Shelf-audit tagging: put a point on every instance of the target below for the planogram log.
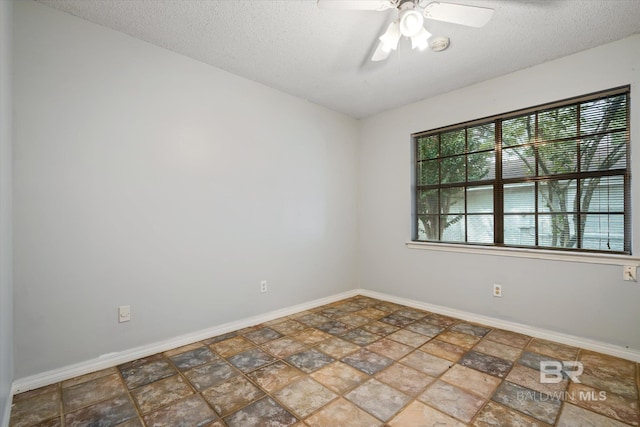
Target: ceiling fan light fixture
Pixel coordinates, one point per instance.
(439, 44)
(411, 21)
(389, 40)
(421, 40)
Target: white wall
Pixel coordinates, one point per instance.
(6, 283)
(590, 301)
(146, 178)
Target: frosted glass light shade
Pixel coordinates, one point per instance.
(391, 37)
(411, 21)
(421, 40)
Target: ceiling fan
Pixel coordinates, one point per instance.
(410, 20)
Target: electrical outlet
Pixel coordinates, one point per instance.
(124, 313)
(629, 273)
(497, 290)
(263, 286)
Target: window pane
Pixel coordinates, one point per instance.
(453, 228)
(556, 230)
(480, 228)
(557, 157)
(557, 196)
(482, 137)
(452, 142)
(427, 202)
(604, 233)
(604, 152)
(427, 147)
(452, 200)
(562, 184)
(520, 230)
(428, 227)
(453, 169)
(519, 198)
(519, 130)
(481, 166)
(604, 194)
(603, 115)
(428, 172)
(558, 123)
(480, 199)
(518, 162)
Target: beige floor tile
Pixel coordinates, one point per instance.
(231, 395)
(378, 399)
(183, 349)
(605, 403)
(574, 416)
(609, 373)
(496, 415)
(304, 396)
(311, 336)
(471, 380)
(275, 376)
(409, 338)
(371, 313)
(283, 347)
(289, 327)
(530, 378)
(405, 379)
(88, 377)
(94, 391)
(190, 411)
(426, 363)
(342, 413)
(553, 349)
(444, 350)
(231, 346)
(337, 348)
(509, 338)
(452, 400)
(391, 349)
(419, 414)
(35, 406)
(339, 377)
(458, 338)
(150, 397)
(496, 349)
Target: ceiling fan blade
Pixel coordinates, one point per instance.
(387, 42)
(356, 4)
(471, 16)
(381, 53)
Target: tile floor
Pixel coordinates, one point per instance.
(357, 362)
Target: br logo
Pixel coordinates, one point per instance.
(551, 371)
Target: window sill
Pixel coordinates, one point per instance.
(589, 258)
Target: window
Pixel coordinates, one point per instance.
(551, 177)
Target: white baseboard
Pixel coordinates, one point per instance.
(572, 340)
(112, 359)
(106, 361)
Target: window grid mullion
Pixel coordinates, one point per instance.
(558, 118)
(578, 202)
(536, 187)
(498, 188)
(466, 181)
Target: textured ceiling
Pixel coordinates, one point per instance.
(322, 55)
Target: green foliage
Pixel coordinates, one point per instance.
(551, 144)
(553, 149)
(451, 157)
